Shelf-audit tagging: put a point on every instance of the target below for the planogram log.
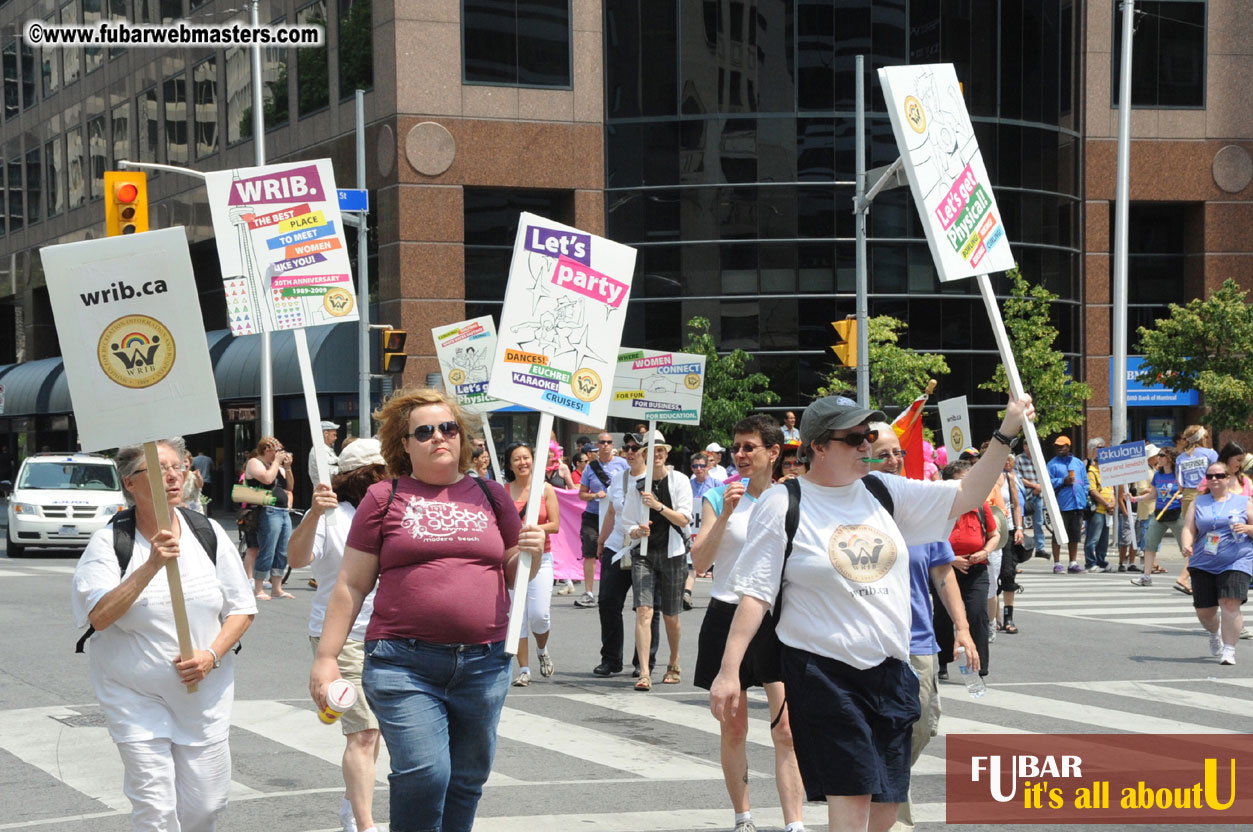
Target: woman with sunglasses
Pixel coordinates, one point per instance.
(1216, 539)
(757, 446)
(269, 469)
(1232, 455)
(539, 592)
(443, 548)
(843, 597)
(790, 464)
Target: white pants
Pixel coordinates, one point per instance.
(994, 570)
(539, 600)
(175, 788)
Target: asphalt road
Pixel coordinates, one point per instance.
(582, 753)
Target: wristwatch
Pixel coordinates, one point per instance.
(1011, 443)
(217, 660)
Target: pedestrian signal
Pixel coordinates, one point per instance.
(394, 350)
(846, 351)
(125, 202)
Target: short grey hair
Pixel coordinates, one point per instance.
(130, 458)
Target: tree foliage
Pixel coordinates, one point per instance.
(1206, 346)
(898, 375)
(730, 393)
(1058, 398)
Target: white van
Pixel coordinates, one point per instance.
(58, 500)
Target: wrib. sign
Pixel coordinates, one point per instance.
(353, 200)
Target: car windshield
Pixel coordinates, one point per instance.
(73, 476)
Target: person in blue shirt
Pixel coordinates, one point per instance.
(1070, 483)
(930, 566)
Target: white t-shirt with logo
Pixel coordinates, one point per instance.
(846, 587)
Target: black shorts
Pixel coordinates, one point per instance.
(589, 534)
(754, 670)
(1072, 521)
(851, 728)
(1207, 587)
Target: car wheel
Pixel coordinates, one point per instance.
(15, 550)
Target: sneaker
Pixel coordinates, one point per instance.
(1134, 568)
(567, 587)
(524, 679)
(585, 600)
(746, 826)
(991, 633)
(1093, 569)
(1142, 580)
(687, 599)
(1106, 568)
(942, 675)
(1122, 567)
(1075, 568)
(346, 818)
(546, 666)
(1245, 633)
(1229, 655)
(1058, 569)
(1215, 644)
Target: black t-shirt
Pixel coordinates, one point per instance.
(659, 534)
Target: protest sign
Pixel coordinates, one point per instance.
(663, 386)
(557, 348)
(132, 338)
(959, 214)
(955, 422)
(136, 357)
(1123, 464)
(280, 242)
(465, 350)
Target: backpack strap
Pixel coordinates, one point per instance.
(880, 491)
(599, 470)
(791, 522)
(391, 495)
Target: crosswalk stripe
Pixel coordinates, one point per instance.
(1161, 694)
(671, 820)
(1097, 616)
(301, 730)
(5, 573)
(1090, 715)
(957, 725)
(1155, 603)
(642, 759)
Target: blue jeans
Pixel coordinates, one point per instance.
(1096, 541)
(272, 533)
(1035, 508)
(1142, 528)
(437, 706)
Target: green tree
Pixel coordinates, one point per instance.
(1206, 346)
(1058, 398)
(898, 375)
(730, 393)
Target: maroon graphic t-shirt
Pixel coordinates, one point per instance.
(441, 552)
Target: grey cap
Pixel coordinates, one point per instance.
(834, 413)
(329, 426)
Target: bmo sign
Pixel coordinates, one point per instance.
(1143, 393)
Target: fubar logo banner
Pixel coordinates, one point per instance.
(132, 339)
(1119, 779)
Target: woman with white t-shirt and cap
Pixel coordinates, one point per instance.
(844, 595)
(725, 510)
(315, 541)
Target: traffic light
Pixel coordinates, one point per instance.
(846, 351)
(393, 352)
(125, 202)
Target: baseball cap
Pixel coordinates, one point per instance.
(359, 454)
(329, 426)
(714, 447)
(1062, 440)
(834, 413)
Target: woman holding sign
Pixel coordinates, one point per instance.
(173, 743)
(1216, 539)
(539, 592)
(443, 548)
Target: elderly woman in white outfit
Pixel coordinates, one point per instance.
(173, 743)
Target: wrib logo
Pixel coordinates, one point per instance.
(136, 351)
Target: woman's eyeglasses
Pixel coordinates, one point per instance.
(423, 433)
(1216, 476)
(793, 463)
(899, 453)
(855, 439)
(746, 447)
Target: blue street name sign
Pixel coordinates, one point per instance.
(354, 200)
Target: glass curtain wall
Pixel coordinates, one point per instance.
(730, 157)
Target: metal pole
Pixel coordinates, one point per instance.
(1118, 410)
(363, 287)
(258, 144)
(863, 343)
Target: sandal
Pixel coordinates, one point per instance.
(644, 683)
(672, 675)
(261, 596)
(285, 595)
(1182, 587)
(1159, 570)
(1010, 628)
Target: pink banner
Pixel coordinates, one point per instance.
(567, 545)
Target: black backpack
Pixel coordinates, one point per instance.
(791, 522)
(124, 546)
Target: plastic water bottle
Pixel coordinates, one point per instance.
(974, 682)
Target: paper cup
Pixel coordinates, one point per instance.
(340, 696)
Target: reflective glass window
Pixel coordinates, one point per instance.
(27, 54)
(122, 131)
(93, 56)
(73, 55)
(76, 167)
(98, 150)
(356, 47)
(205, 85)
(12, 85)
(17, 214)
(54, 152)
(175, 100)
(274, 88)
(524, 42)
(312, 73)
(34, 185)
(1167, 57)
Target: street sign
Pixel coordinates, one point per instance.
(353, 200)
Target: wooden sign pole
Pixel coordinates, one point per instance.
(156, 485)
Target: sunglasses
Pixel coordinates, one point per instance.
(747, 447)
(1216, 476)
(855, 439)
(630, 449)
(604, 441)
(423, 433)
(699, 466)
(793, 463)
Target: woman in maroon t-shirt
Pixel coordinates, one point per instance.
(443, 548)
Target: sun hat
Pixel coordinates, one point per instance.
(359, 454)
